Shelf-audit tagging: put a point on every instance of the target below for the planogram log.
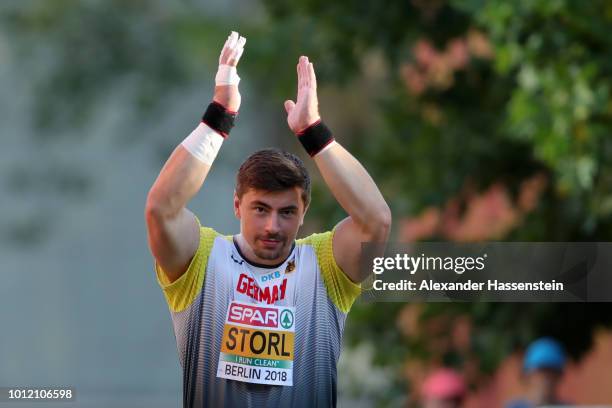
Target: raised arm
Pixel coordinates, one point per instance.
(369, 217)
(173, 231)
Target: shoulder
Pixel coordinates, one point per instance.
(340, 289)
(181, 293)
(315, 240)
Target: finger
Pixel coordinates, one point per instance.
(289, 105)
(239, 47)
(238, 55)
(241, 42)
(302, 77)
(233, 39)
(224, 56)
(297, 68)
(228, 47)
(224, 51)
(237, 52)
(313, 77)
(306, 73)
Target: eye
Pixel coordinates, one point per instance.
(259, 210)
(287, 213)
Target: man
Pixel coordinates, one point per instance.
(543, 367)
(258, 317)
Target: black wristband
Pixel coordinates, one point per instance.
(219, 119)
(315, 137)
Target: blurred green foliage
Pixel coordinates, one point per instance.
(507, 90)
(84, 49)
(540, 103)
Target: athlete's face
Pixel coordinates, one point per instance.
(269, 222)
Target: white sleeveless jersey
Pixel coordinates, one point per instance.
(256, 336)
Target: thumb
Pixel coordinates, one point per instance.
(289, 105)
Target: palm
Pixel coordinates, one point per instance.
(305, 111)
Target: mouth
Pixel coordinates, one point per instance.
(271, 243)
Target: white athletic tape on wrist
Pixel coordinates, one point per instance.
(227, 75)
(203, 143)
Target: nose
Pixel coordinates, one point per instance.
(272, 224)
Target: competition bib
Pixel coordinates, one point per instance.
(257, 344)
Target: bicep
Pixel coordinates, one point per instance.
(173, 241)
(347, 248)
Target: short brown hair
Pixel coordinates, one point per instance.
(273, 170)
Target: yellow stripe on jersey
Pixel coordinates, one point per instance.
(340, 289)
(180, 293)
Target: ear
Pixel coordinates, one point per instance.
(236, 205)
